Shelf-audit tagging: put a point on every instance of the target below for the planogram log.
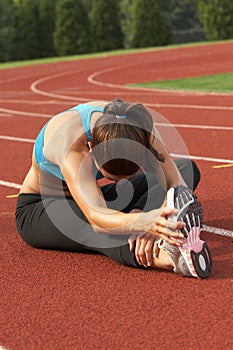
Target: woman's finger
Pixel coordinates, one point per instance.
(170, 233)
(158, 230)
(131, 245)
(149, 251)
(140, 250)
(131, 241)
(172, 225)
(169, 212)
(136, 251)
(170, 240)
(140, 243)
(155, 249)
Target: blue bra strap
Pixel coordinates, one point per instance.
(85, 112)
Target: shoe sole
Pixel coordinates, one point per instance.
(195, 251)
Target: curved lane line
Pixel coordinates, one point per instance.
(92, 80)
(34, 88)
(12, 111)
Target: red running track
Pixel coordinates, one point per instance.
(58, 300)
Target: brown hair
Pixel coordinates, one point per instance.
(120, 134)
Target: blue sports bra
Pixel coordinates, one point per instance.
(50, 168)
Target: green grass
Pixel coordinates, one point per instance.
(210, 83)
(101, 54)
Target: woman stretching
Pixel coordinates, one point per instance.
(145, 216)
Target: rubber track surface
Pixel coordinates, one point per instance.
(58, 300)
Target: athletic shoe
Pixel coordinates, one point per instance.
(195, 253)
(180, 265)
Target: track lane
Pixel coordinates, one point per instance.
(51, 299)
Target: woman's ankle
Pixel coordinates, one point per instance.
(163, 261)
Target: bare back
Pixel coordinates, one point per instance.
(62, 132)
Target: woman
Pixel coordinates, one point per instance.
(62, 204)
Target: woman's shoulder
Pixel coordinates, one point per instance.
(62, 133)
(70, 119)
(62, 124)
(97, 103)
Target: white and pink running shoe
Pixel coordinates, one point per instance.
(194, 258)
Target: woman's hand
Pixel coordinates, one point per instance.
(146, 249)
(166, 229)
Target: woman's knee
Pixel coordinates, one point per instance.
(196, 175)
(189, 171)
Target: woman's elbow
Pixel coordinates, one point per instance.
(93, 222)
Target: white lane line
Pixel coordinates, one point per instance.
(36, 90)
(218, 231)
(9, 184)
(19, 139)
(92, 80)
(215, 230)
(19, 77)
(172, 105)
(191, 126)
(33, 87)
(11, 112)
(207, 159)
(30, 114)
(33, 102)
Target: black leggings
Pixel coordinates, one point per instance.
(52, 222)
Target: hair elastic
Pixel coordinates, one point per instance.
(120, 116)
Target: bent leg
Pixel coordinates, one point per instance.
(143, 191)
(155, 195)
(58, 224)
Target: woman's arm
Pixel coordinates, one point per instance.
(77, 171)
